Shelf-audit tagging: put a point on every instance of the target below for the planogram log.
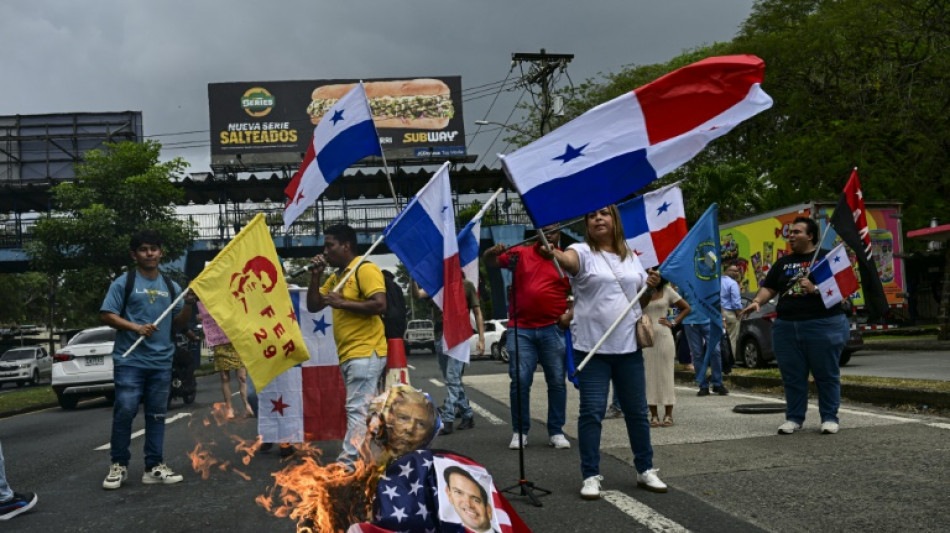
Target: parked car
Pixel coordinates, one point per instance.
(419, 334)
(754, 347)
(25, 364)
(494, 329)
(83, 368)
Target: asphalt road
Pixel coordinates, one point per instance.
(727, 472)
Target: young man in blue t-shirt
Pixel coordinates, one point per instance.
(145, 374)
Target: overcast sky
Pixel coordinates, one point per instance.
(158, 56)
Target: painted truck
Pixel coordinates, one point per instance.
(755, 243)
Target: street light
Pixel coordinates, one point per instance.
(505, 126)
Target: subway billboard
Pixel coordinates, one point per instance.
(272, 122)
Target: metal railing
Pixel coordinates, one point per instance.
(227, 222)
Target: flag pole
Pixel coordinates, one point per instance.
(382, 154)
(481, 212)
(159, 319)
(360, 262)
(612, 327)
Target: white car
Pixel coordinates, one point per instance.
(83, 368)
(493, 331)
(25, 364)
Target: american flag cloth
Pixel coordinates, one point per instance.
(409, 493)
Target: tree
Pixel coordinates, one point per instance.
(84, 243)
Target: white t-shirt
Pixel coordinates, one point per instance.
(599, 300)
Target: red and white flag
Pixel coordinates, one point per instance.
(306, 402)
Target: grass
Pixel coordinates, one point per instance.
(26, 398)
(897, 383)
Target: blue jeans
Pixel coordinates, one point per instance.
(150, 387)
(543, 345)
(697, 336)
(6, 492)
(452, 371)
(626, 372)
(810, 345)
(361, 379)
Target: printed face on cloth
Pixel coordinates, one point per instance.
(256, 279)
(406, 421)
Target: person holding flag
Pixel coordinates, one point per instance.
(807, 336)
(606, 275)
(540, 300)
(357, 326)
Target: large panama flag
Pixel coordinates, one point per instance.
(345, 134)
(423, 237)
(244, 290)
(618, 147)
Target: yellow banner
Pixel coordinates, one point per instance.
(244, 290)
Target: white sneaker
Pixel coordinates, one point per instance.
(513, 445)
(789, 427)
(560, 442)
(591, 488)
(161, 474)
(829, 428)
(650, 481)
(117, 474)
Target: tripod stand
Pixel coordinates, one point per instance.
(525, 487)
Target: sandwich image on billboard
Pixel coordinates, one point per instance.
(420, 104)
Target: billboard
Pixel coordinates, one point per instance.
(272, 122)
(40, 148)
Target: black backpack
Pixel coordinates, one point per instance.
(395, 317)
(130, 286)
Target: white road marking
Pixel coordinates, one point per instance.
(643, 514)
(484, 413)
(410, 367)
(141, 432)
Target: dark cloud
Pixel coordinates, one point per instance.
(158, 57)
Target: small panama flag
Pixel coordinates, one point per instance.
(834, 277)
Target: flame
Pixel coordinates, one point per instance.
(321, 498)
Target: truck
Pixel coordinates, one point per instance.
(420, 334)
(755, 243)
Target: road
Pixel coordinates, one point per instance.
(884, 471)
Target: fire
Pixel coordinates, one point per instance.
(321, 498)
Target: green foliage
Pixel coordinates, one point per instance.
(84, 244)
(117, 191)
(24, 298)
(855, 83)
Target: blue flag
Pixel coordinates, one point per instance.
(694, 268)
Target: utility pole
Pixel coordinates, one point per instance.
(544, 65)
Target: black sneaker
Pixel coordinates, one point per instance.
(703, 391)
(286, 450)
(721, 390)
(466, 423)
(446, 429)
(266, 446)
(21, 502)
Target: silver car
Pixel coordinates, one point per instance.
(83, 368)
(25, 364)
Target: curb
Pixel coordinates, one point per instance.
(881, 396)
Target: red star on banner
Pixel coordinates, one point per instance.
(299, 197)
(292, 315)
(638, 252)
(279, 405)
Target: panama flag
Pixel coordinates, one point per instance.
(618, 147)
(306, 402)
(345, 135)
(468, 241)
(654, 224)
(835, 277)
(423, 237)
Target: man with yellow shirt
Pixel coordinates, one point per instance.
(357, 326)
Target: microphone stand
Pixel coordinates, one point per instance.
(525, 487)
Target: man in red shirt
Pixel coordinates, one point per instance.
(540, 298)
